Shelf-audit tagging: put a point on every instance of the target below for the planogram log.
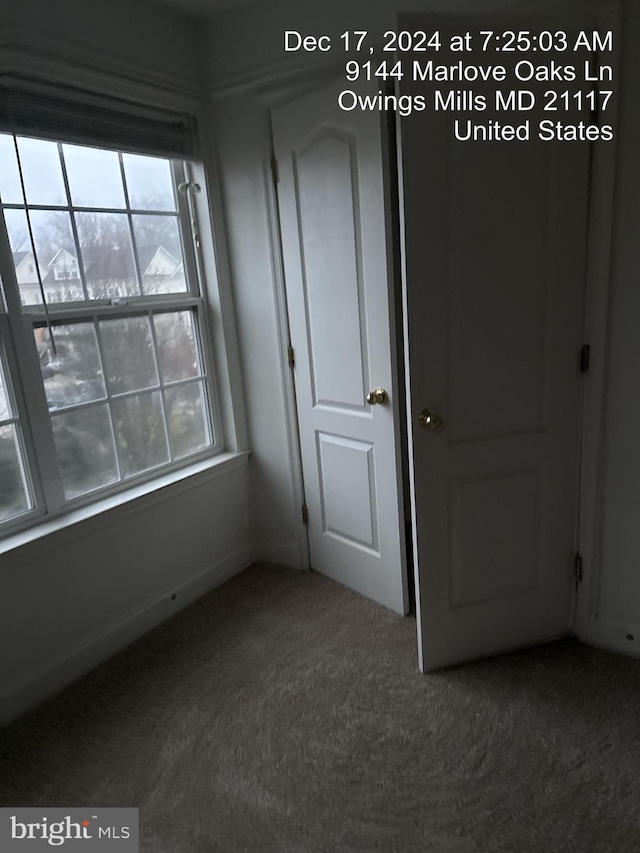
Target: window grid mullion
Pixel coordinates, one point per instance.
(107, 399)
(176, 383)
(74, 227)
(206, 386)
(154, 338)
(81, 208)
(141, 393)
(134, 242)
(124, 395)
(86, 404)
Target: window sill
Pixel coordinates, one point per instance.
(55, 532)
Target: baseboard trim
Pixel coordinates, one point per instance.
(63, 668)
(614, 636)
(281, 555)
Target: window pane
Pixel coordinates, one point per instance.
(84, 443)
(107, 255)
(160, 254)
(10, 189)
(185, 417)
(128, 354)
(14, 497)
(139, 426)
(72, 374)
(23, 259)
(56, 253)
(177, 351)
(95, 179)
(41, 171)
(149, 183)
(17, 230)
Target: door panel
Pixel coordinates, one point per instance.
(499, 291)
(478, 508)
(334, 240)
(347, 490)
(494, 262)
(327, 214)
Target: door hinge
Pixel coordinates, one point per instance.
(585, 358)
(577, 567)
(291, 356)
(274, 169)
(305, 514)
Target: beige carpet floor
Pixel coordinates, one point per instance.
(283, 712)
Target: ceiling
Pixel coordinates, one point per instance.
(201, 8)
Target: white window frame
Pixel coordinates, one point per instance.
(17, 322)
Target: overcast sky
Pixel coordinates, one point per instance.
(94, 175)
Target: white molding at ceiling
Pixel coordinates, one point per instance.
(27, 53)
(276, 74)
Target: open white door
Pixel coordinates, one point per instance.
(494, 288)
(334, 240)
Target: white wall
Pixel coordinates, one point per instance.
(72, 598)
(77, 596)
(243, 149)
(143, 37)
(616, 603)
(245, 42)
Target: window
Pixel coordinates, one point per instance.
(104, 369)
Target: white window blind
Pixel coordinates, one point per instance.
(29, 108)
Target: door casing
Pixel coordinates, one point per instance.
(390, 278)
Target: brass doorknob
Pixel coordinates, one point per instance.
(378, 397)
(430, 420)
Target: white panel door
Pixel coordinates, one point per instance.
(334, 239)
(494, 288)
